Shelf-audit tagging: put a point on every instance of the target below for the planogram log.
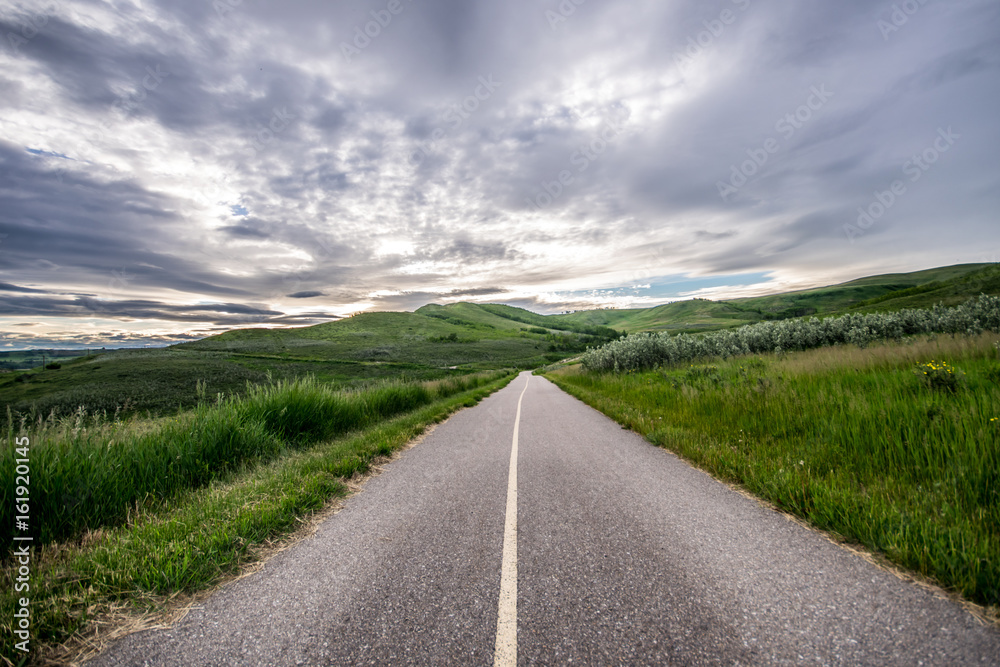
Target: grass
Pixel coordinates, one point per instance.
(449, 341)
(27, 359)
(861, 443)
(159, 381)
(200, 535)
(92, 477)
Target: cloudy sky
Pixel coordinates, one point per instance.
(170, 169)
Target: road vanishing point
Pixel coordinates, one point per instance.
(533, 530)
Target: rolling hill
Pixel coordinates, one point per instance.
(893, 291)
(435, 341)
(432, 343)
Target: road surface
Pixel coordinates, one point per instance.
(599, 549)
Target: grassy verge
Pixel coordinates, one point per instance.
(896, 446)
(92, 477)
(199, 536)
(161, 382)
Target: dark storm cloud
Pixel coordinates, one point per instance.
(7, 287)
(477, 291)
(130, 309)
(465, 250)
(250, 230)
(301, 319)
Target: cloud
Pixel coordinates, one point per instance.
(177, 162)
(7, 287)
(478, 291)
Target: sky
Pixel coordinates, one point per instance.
(170, 170)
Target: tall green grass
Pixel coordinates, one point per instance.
(199, 536)
(858, 441)
(89, 478)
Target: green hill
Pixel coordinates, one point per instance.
(892, 291)
(432, 343)
(949, 290)
(957, 282)
(462, 334)
(435, 341)
(691, 315)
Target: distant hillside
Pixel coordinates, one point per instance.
(951, 283)
(690, 315)
(949, 291)
(514, 316)
(893, 291)
(463, 334)
(433, 342)
(24, 359)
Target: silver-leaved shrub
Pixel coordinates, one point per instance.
(648, 350)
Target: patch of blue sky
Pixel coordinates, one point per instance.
(674, 286)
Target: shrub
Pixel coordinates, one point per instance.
(645, 350)
(941, 375)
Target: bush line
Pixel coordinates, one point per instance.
(643, 351)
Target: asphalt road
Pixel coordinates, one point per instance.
(624, 555)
